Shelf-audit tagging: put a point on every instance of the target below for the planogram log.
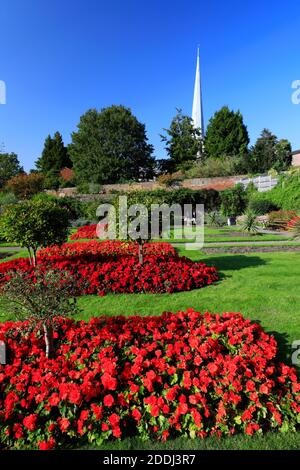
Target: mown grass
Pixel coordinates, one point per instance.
(268, 441)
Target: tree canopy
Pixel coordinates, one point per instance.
(35, 224)
(111, 146)
(226, 134)
(269, 152)
(9, 167)
(183, 142)
(53, 159)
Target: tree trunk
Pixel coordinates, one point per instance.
(48, 335)
(30, 255)
(141, 257)
(34, 257)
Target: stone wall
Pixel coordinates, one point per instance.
(218, 183)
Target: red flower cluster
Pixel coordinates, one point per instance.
(184, 374)
(107, 248)
(98, 268)
(294, 223)
(86, 231)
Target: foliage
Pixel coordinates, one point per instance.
(109, 146)
(294, 226)
(269, 153)
(261, 206)
(41, 301)
(183, 141)
(53, 159)
(170, 179)
(233, 201)
(226, 135)
(209, 197)
(215, 219)
(100, 268)
(286, 194)
(6, 199)
(212, 167)
(249, 224)
(25, 186)
(34, 224)
(178, 374)
(9, 167)
(72, 205)
(280, 219)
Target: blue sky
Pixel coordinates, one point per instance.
(60, 58)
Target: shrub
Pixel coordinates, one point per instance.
(285, 195)
(184, 374)
(262, 206)
(215, 219)
(209, 197)
(34, 224)
(294, 226)
(212, 167)
(278, 220)
(72, 205)
(249, 224)
(25, 186)
(234, 201)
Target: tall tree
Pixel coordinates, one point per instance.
(183, 141)
(110, 146)
(226, 135)
(54, 157)
(9, 167)
(269, 152)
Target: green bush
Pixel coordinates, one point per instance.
(73, 205)
(234, 201)
(262, 206)
(285, 195)
(212, 167)
(209, 197)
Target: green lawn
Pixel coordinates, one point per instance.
(224, 234)
(263, 286)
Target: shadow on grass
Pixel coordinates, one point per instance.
(234, 262)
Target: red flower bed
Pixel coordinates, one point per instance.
(86, 231)
(99, 268)
(111, 248)
(184, 374)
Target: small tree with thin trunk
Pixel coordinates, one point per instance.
(40, 300)
(35, 224)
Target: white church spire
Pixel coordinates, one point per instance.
(197, 113)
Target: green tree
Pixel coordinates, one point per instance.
(269, 152)
(35, 224)
(226, 135)
(9, 167)
(233, 201)
(54, 158)
(111, 146)
(183, 142)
